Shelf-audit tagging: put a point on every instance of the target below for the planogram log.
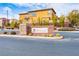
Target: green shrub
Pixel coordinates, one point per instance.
(50, 35)
(57, 35)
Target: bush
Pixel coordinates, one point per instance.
(13, 33)
(57, 35)
(30, 34)
(67, 29)
(50, 35)
(5, 33)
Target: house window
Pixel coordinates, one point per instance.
(33, 14)
(49, 12)
(27, 18)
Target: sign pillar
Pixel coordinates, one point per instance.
(23, 29)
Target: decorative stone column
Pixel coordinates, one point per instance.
(66, 22)
(50, 27)
(23, 29)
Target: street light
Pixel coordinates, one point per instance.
(7, 14)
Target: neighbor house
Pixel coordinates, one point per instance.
(3, 22)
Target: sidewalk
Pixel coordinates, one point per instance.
(33, 37)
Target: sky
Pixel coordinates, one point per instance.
(14, 9)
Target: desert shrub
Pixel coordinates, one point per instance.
(5, 33)
(13, 33)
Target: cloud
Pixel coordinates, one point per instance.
(16, 16)
(31, 6)
(11, 13)
(4, 13)
(60, 8)
(2, 16)
(7, 8)
(35, 6)
(23, 4)
(63, 8)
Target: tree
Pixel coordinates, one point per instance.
(54, 20)
(13, 24)
(61, 20)
(17, 24)
(46, 21)
(43, 21)
(73, 17)
(7, 24)
(39, 21)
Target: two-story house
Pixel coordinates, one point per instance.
(43, 14)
